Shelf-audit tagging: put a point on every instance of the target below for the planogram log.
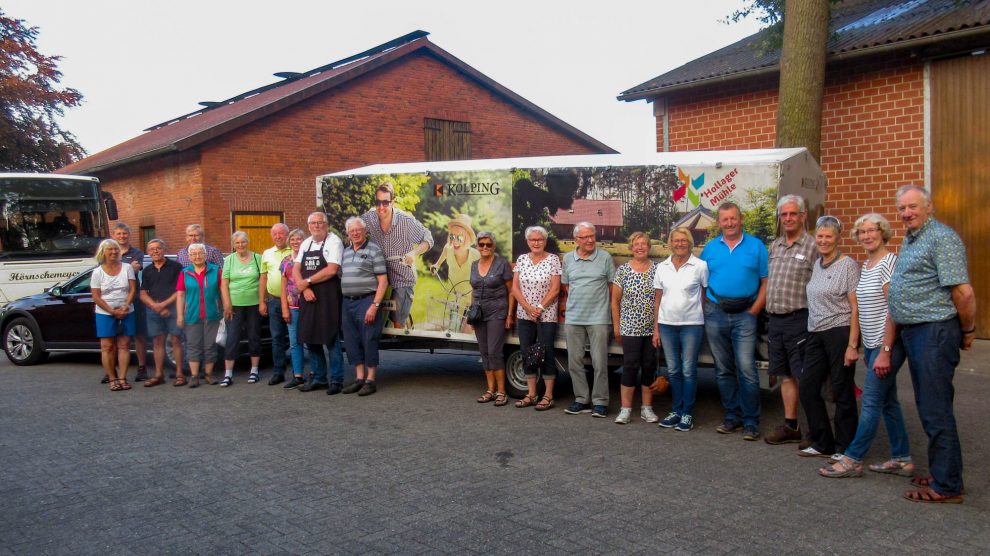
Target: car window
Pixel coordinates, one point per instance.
(79, 284)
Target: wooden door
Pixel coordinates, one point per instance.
(258, 227)
(960, 151)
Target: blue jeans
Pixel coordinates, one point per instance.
(680, 350)
(280, 333)
(297, 351)
(933, 353)
(732, 339)
(880, 399)
(318, 360)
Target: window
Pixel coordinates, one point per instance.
(147, 234)
(258, 227)
(447, 140)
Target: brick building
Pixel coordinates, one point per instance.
(251, 160)
(907, 100)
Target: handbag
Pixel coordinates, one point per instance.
(660, 385)
(474, 315)
(222, 334)
(533, 357)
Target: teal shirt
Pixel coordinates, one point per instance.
(588, 282)
(931, 261)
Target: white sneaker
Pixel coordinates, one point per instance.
(624, 414)
(646, 413)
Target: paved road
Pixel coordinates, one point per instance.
(421, 468)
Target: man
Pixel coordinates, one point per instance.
(315, 274)
(135, 257)
(402, 238)
(585, 280)
(792, 258)
(195, 234)
(933, 309)
(158, 295)
(271, 274)
(363, 282)
(736, 293)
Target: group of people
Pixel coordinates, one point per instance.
(822, 307)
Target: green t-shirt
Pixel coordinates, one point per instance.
(244, 279)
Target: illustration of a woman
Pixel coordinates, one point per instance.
(458, 255)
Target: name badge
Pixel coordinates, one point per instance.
(799, 257)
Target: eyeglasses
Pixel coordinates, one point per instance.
(382, 202)
(862, 231)
(485, 245)
(317, 223)
(584, 238)
(536, 239)
(827, 218)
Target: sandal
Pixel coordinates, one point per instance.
(925, 481)
(194, 382)
(486, 397)
(545, 404)
(209, 380)
(501, 399)
(227, 381)
(843, 467)
(153, 381)
(179, 381)
(526, 401)
(893, 467)
(252, 378)
(115, 385)
(930, 495)
(124, 385)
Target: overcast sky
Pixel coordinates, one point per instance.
(140, 62)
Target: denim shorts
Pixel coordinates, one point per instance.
(403, 298)
(106, 325)
(159, 325)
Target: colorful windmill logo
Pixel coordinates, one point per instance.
(692, 191)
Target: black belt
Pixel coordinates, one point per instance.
(785, 315)
(357, 297)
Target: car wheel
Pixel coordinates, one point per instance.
(515, 374)
(22, 342)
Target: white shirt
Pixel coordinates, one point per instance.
(114, 289)
(680, 304)
(333, 249)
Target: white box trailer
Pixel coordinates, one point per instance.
(620, 194)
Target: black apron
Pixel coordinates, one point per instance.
(319, 321)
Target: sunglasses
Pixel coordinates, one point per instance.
(485, 245)
(827, 218)
(381, 203)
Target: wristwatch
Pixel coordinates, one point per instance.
(886, 348)
(376, 303)
(541, 307)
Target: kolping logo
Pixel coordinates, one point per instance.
(473, 188)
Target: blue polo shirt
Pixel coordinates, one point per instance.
(735, 272)
(931, 261)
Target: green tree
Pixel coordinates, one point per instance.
(31, 139)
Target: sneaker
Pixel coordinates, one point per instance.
(624, 414)
(252, 378)
(142, 374)
(728, 427)
(751, 433)
(310, 386)
(811, 452)
(353, 387)
(685, 424)
(276, 378)
(577, 408)
(335, 388)
(296, 382)
(369, 388)
(599, 411)
(783, 435)
(670, 420)
(646, 413)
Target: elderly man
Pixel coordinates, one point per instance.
(315, 274)
(135, 257)
(933, 309)
(585, 280)
(402, 238)
(271, 276)
(158, 295)
(363, 282)
(736, 293)
(195, 234)
(792, 257)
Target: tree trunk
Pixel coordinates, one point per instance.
(802, 74)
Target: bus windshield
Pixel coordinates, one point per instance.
(49, 217)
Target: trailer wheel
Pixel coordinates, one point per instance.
(515, 375)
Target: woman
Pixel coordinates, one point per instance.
(114, 287)
(491, 280)
(680, 288)
(833, 343)
(243, 292)
(632, 322)
(879, 391)
(459, 254)
(535, 287)
(290, 311)
(198, 313)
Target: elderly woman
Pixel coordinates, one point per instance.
(632, 321)
(491, 280)
(879, 396)
(114, 287)
(290, 311)
(680, 289)
(833, 342)
(198, 313)
(535, 287)
(243, 289)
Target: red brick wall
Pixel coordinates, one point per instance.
(272, 164)
(872, 131)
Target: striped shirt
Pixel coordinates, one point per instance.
(402, 237)
(828, 294)
(872, 301)
(360, 269)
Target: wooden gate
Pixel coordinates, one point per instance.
(258, 226)
(960, 151)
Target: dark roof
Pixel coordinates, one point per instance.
(218, 118)
(859, 28)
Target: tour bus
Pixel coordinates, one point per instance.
(619, 194)
(50, 227)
